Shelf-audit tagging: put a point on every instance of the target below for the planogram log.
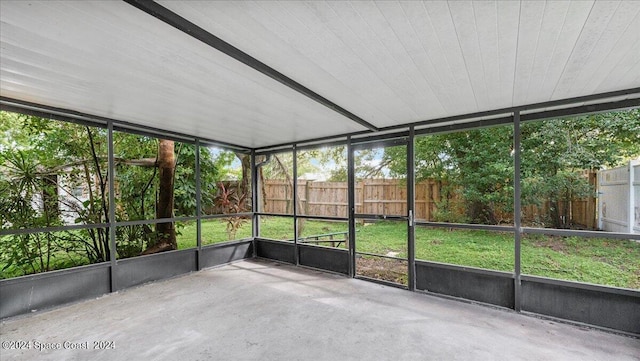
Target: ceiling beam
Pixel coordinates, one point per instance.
(505, 119)
(169, 17)
(520, 108)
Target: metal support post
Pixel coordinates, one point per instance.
(411, 209)
(296, 255)
(198, 207)
(112, 205)
(255, 208)
(517, 222)
(351, 208)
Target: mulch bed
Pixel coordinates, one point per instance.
(382, 268)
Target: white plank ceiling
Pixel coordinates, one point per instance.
(387, 62)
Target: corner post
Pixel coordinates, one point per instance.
(198, 208)
(517, 214)
(411, 209)
(112, 206)
(296, 255)
(255, 221)
(351, 208)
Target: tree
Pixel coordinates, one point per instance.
(166, 164)
(36, 157)
(244, 191)
(280, 166)
(556, 152)
(477, 165)
(66, 167)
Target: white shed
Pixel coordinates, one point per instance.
(619, 198)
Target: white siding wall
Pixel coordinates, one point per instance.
(619, 198)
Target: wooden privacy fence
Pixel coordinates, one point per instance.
(581, 213)
(373, 196)
(389, 197)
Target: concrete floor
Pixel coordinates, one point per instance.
(259, 310)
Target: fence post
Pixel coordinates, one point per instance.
(307, 193)
(631, 219)
(427, 200)
(363, 189)
(592, 202)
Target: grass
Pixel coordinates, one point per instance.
(602, 261)
(213, 231)
(482, 249)
(599, 261)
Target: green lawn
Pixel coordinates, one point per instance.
(483, 249)
(600, 261)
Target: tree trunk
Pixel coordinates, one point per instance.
(245, 186)
(480, 212)
(263, 192)
(50, 205)
(296, 201)
(554, 213)
(164, 209)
